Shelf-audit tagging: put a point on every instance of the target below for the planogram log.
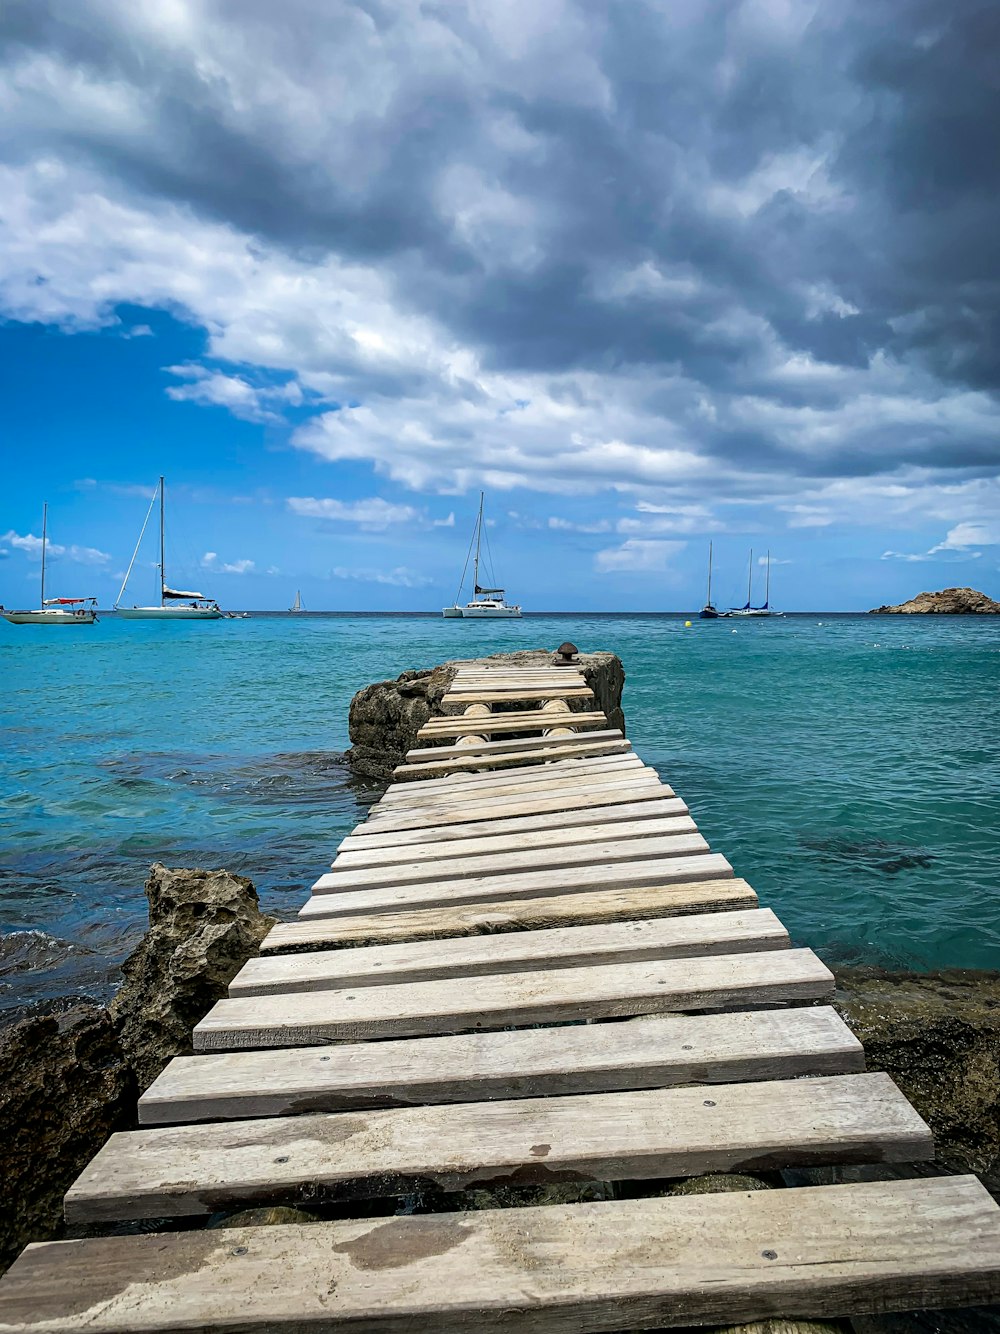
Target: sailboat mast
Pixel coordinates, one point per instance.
(479, 538)
(45, 526)
(750, 577)
(163, 573)
(767, 583)
(708, 600)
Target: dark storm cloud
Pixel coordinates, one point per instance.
(694, 190)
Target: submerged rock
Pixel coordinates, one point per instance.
(872, 854)
(65, 1086)
(386, 716)
(938, 1036)
(203, 926)
(949, 602)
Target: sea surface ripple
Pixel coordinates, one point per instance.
(848, 767)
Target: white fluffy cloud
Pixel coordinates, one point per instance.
(373, 515)
(966, 535)
(637, 554)
(32, 545)
(210, 561)
(400, 577)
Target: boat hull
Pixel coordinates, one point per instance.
(170, 614)
(453, 613)
(50, 617)
(490, 613)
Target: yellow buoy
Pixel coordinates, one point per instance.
(687, 625)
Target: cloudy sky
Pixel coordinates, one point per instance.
(649, 273)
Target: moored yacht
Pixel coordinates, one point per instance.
(748, 609)
(709, 612)
(175, 604)
(54, 611)
(487, 603)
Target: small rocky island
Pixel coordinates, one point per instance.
(949, 602)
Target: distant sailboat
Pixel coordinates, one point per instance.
(748, 609)
(175, 604)
(54, 611)
(297, 604)
(487, 603)
(708, 612)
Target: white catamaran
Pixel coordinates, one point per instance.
(486, 602)
(175, 604)
(54, 611)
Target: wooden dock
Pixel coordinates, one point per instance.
(525, 968)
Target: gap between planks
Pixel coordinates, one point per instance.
(657, 870)
(192, 1171)
(523, 951)
(506, 746)
(501, 916)
(555, 748)
(374, 845)
(514, 999)
(676, 838)
(652, 1051)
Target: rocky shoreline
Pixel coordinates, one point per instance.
(948, 602)
(70, 1075)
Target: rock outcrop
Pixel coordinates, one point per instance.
(938, 1036)
(386, 716)
(69, 1078)
(949, 602)
(203, 926)
(65, 1086)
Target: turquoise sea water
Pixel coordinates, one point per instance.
(848, 766)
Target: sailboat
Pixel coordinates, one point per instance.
(487, 603)
(297, 604)
(175, 604)
(54, 611)
(748, 609)
(708, 612)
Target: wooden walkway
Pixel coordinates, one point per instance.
(525, 968)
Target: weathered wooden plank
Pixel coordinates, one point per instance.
(438, 728)
(678, 839)
(555, 749)
(459, 699)
(675, 836)
(565, 768)
(654, 1051)
(657, 870)
(820, 1251)
(506, 746)
(522, 951)
(191, 1171)
(545, 675)
(515, 999)
(556, 823)
(500, 916)
(568, 767)
(506, 834)
(604, 794)
(512, 684)
(463, 786)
